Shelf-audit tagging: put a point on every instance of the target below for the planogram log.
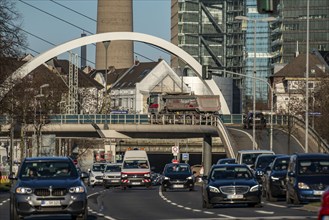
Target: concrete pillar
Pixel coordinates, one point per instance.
(206, 153)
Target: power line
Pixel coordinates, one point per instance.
(81, 28)
(73, 10)
(164, 51)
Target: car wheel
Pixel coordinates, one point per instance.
(163, 189)
(296, 200)
(288, 199)
(269, 197)
(207, 205)
(13, 212)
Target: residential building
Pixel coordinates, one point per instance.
(289, 83)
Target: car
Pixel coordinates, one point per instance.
(226, 161)
(261, 163)
(136, 170)
(48, 185)
(249, 157)
(307, 177)
(260, 120)
(274, 185)
(230, 184)
(96, 174)
(112, 175)
(323, 213)
(177, 176)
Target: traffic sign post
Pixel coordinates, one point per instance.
(175, 150)
(185, 157)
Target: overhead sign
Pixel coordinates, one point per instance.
(175, 150)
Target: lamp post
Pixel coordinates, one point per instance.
(307, 72)
(106, 45)
(272, 105)
(35, 121)
(268, 19)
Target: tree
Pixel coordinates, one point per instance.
(12, 39)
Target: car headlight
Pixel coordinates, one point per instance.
(190, 178)
(166, 178)
(259, 173)
(213, 189)
(254, 188)
(23, 190)
(274, 178)
(124, 175)
(147, 175)
(77, 189)
(302, 185)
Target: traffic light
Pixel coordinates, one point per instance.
(206, 74)
(267, 6)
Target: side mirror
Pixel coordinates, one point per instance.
(84, 175)
(89, 170)
(12, 176)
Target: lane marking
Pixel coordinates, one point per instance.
(265, 212)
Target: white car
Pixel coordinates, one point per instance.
(96, 174)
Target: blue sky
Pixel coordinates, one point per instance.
(150, 17)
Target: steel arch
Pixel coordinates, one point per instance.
(112, 36)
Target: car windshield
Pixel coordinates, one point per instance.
(281, 164)
(48, 169)
(221, 173)
(264, 161)
(313, 167)
(177, 169)
(98, 167)
(113, 168)
(135, 164)
(250, 158)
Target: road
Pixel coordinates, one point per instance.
(141, 203)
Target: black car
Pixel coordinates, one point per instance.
(260, 120)
(48, 185)
(307, 177)
(274, 185)
(230, 183)
(226, 161)
(261, 163)
(177, 176)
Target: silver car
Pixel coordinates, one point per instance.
(112, 175)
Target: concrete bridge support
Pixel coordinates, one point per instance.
(207, 155)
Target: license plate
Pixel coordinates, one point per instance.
(178, 186)
(135, 183)
(235, 196)
(50, 203)
(317, 192)
(114, 181)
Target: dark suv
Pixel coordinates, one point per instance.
(260, 120)
(177, 176)
(48, 185)
(307, 177)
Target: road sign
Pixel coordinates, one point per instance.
(175, 150)
(185, 156)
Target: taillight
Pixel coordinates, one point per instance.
(154, 106)
(325, 199)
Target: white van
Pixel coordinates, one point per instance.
(135, 169)
(249, 156)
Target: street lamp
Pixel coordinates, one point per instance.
(106, 45)
(267, 19)
(35, 120)
(272, 106)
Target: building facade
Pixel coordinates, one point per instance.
(290, 33)
(206, 29)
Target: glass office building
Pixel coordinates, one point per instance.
(258, 50)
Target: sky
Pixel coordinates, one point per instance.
(46, 23)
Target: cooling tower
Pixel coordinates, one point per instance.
(115, 16)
